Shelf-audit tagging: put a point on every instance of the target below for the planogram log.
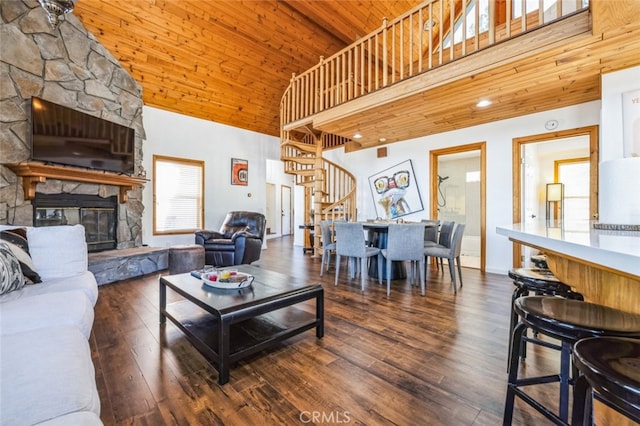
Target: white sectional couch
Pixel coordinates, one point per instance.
(46, 372)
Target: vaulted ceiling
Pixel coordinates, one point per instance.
(228, 61)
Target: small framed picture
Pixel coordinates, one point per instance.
(239, 172)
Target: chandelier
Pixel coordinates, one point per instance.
(55, 10)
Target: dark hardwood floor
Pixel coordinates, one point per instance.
(402, 359)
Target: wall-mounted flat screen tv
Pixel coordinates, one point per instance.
(65, 136)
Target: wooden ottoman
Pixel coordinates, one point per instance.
(185, 258)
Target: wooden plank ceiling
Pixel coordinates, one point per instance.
(231, 61)
(227, 61)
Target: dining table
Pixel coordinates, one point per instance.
(378, 231)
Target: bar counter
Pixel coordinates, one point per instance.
(603, 265)
(616, 250)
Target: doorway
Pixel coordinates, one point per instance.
(270, 211)
(551, 158)
(458, 193)
(287, 216)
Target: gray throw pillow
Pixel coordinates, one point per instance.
(11, 277)
(16, 239)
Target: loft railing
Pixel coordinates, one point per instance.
(426, 37)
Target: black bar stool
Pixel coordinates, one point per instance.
(540, 282)
(540, 261)
(567, 320)
(610, 366)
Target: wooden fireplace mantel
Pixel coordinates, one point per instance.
(34, 173)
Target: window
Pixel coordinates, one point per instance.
(550, 7)
(178, 193)
(473, 176)
(574, 174)
(470, 24)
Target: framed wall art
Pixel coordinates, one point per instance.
(395, 191)
(239, 172)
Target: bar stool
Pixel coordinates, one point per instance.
(539, 261)
(610, 366)
(540, 282)
(566, 320)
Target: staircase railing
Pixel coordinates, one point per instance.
(337, 199)
(334, 188)
(415, 42)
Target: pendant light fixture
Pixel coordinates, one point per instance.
(56, 9)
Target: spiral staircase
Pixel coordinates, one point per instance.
(330, 190)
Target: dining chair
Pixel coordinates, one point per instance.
(444, 239)
(328, 245)
(350, 242)
(405, 242)
(430, 232)
(451, 253)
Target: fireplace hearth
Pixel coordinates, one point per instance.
(98, 215)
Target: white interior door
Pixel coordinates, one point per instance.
(271, 211)
(287, 216)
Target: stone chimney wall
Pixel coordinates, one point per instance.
(67, 66)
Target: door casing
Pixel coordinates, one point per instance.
(286, 218)
(594, 146)
(433, 161)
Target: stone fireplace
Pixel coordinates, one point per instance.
(98, 215)
(69, 67)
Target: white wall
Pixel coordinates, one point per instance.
(177, 135)
(498, 136)
(618, 205)
(611, 133)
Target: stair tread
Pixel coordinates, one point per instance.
(300, 160)
(309, 172)
(301, 146)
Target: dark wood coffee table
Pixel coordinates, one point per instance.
(229, 325)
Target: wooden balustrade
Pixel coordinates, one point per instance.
(333, 187)
(427, 36)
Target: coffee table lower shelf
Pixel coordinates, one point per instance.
(228, 337)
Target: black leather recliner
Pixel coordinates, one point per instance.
(239, 240)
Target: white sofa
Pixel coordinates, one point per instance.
(46, 372)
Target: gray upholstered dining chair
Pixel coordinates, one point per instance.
(405, 242)
(444, 238)
(430, 232)
(328, 245)
(350, 243)
(451, 253)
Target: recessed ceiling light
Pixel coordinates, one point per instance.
(483, 103)
(382, 140)
(357, 136)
